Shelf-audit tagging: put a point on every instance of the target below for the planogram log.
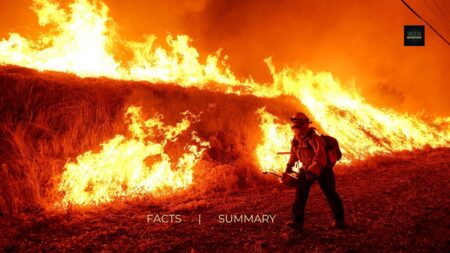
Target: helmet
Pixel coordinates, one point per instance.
(300, 118)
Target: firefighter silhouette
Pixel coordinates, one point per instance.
(310, 149)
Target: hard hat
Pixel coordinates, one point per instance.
(299, 118)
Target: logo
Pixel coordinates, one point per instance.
(414, 35)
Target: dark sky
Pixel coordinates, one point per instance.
(360, 41)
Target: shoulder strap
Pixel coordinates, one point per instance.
(308, 137)
(294, 142)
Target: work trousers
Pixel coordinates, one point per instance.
(327, 183)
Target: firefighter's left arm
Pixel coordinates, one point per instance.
(320, 158)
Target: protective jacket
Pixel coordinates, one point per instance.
(310, 151)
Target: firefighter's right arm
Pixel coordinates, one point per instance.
(292, 159)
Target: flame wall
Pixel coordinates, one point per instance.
(82, 38)
(49, 119)
(360, 41)
(354, 40)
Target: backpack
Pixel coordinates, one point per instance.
(332, 149)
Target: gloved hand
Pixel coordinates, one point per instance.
(288, 170)
(289, 180)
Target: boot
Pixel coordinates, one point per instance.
(338, 224)
(296, 226)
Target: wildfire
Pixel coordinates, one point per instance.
(362, 129)
(82, 40)
(123, 168)
(276, 138)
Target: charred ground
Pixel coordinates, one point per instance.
(392, 204)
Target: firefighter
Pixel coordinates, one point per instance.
(309, 148)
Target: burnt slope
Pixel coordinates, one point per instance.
(47, 118)
(392, 205)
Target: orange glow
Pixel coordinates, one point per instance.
(362, 130)
(83, 41)
(276, 138)
(120, 169)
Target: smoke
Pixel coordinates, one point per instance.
(359, 42)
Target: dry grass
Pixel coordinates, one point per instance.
(45, 120)
(397, 203)
(49, 118)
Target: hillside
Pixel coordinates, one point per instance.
(398, 202)
(50, 118)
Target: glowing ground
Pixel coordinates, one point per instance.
(392, 204)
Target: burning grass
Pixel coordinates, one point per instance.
(43, 123)
(396, 204)
(48, 119)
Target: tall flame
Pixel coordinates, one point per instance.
(276, 137)
(82, 40)
(77, 42)
(123, 167)
(361, 129)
